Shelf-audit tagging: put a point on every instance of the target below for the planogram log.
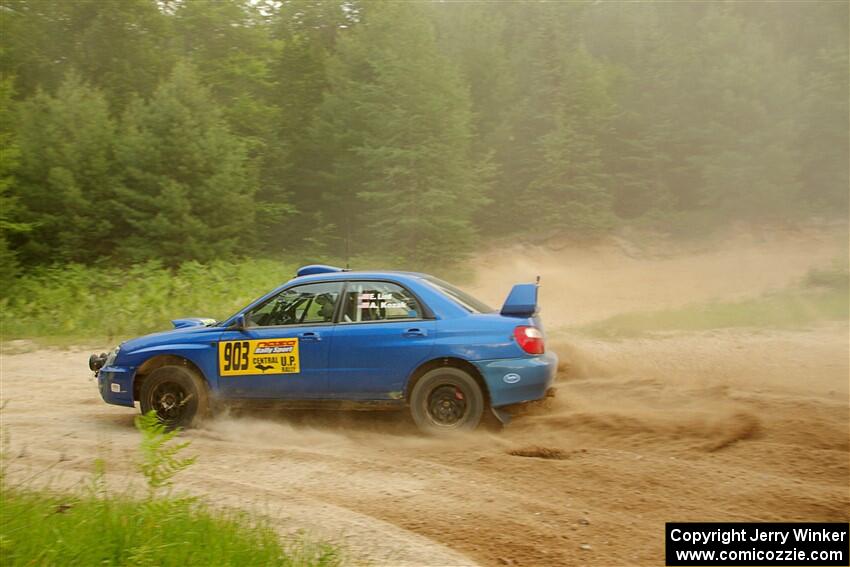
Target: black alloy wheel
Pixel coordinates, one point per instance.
(177, 395)
(446, 400)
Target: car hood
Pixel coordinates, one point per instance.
(179, 335)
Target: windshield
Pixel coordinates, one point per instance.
(461, 297)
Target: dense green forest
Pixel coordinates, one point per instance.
(177, 130)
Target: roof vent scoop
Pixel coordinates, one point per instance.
(317, 269)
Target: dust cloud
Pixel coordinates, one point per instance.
(694, 390)
(585, 283)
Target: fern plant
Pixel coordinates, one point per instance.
(161, 455)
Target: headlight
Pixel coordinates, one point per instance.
(110, 359)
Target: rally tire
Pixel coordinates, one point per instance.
(178, 395)
(446, 400)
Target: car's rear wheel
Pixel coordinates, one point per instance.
(177, 395)
(445, 400)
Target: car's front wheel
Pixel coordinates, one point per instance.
(445, 400)
(177, 395)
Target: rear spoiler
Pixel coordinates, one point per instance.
(521, 301)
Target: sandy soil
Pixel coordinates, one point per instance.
(713, 426)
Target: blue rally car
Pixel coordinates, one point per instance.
(355, 338)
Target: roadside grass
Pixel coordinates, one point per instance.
(81, 302)
(823, 295)
(97, 528)
(44, 529)
(74, 304)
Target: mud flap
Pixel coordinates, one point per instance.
(503, 416)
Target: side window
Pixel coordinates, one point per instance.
(310, 303)
(378, 301)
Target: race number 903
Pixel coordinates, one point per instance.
(235, 356)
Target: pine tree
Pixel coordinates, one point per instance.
(633, 42)
(188, 190)
(121, 47)
(560, 109)
(483, 59)
(307, 31)
(570, 175)
(66, 178)
(231, 44)
(9, 159)
(313, 124)
(748, 157)
(396, 127)
(708, 123)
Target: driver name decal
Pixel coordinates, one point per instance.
(266, 356)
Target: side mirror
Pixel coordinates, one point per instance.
(238, 323)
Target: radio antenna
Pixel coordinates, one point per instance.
(347, 243)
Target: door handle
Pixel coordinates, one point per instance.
(309, 336)
(415, 333)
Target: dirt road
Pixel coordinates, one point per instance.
(714, 426)
(733, 425)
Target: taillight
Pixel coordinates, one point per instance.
(529, 339)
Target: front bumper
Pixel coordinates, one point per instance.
(115, 384)
(517, 380)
